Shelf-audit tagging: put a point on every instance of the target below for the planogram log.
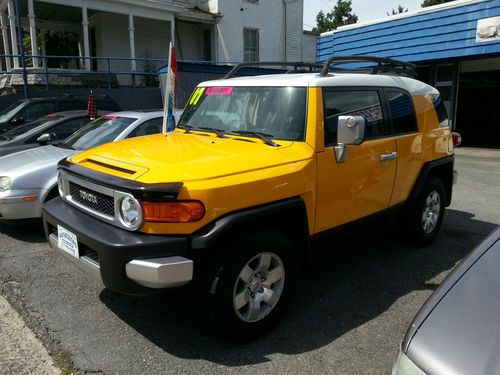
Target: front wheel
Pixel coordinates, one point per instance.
(251, 285)
(426, 213)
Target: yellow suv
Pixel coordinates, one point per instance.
(229, 203)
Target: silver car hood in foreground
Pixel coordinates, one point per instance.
(33, 168)
(459, 331)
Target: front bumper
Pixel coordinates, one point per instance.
(125, 262)
(21, 204)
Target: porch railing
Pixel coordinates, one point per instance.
(105, 69)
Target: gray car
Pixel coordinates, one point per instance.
(457, 330)
(48, 129)
(29, 178)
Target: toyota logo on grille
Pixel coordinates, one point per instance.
(88, 197)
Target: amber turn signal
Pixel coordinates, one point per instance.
(173, 212)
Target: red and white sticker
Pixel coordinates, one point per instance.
(219, 91)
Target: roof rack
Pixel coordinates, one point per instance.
(383, 65)
(295, 65)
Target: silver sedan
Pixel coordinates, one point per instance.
(29, 178)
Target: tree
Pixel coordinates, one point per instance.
(400, 9)
(428, 3)
(340, 15)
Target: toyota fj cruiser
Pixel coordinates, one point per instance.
(257, 167)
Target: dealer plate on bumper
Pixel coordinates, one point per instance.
(67, 241)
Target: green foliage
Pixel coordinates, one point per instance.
(428, 3)
(60, 43)
(149, 67)
(340, 15)
(399, 10)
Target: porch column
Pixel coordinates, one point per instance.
(86, 46)
(13, 33)
(5, 38)
(44, 51)
(34, 41)
(131, 30)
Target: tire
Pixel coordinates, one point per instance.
(426, 212)
(240, 299)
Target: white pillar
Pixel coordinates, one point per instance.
(131, 36)
(86, 46)
(34, 41)
(44, 51)
(13, 31)
(5, 38)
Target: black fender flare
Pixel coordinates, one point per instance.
(214, 231)
(427, 171)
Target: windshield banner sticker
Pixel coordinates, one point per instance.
(197, 95)
(219, 91)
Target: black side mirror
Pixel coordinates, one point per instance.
(18, 121)
(44, 138)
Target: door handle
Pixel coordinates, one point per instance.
(392, 155)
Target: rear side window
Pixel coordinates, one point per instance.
(402, 113)
(364, 103)
(440, 111)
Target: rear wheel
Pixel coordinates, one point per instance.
(251, 285)
(425, 214)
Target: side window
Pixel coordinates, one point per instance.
(64, 130)
(403, 115)
(364, 103)
(72, 105)
(152, 126)
(35, 111)
(441, 113)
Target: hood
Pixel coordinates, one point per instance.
(461, 335)
(180, 157)
(30, 162)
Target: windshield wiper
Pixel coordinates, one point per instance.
(187, 128)
(266, 138)
(62, 145)
(218, 132)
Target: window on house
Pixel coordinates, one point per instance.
(250, 45)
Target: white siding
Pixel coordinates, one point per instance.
(309, 46)
(293, 30)
(237, 15)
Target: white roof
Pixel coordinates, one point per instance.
(333, 79)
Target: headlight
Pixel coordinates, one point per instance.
(404, 366)
(130, 212)
(5, 183)
(60, 185)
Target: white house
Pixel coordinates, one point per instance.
(202, 30)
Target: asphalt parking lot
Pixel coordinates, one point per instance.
(348, 316)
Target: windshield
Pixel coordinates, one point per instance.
(25, 128)
(102, 130)
(278, 112)
(11, 110)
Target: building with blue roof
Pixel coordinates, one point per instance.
(456, 47)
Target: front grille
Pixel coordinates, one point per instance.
(88, 253)
(98, 202)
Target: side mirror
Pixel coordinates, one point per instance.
(44, 138)
(350, 131)
(18, 121)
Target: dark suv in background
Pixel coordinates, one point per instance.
(27, 110)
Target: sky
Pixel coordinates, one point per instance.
(366, 10)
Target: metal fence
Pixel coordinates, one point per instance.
(105, 72)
